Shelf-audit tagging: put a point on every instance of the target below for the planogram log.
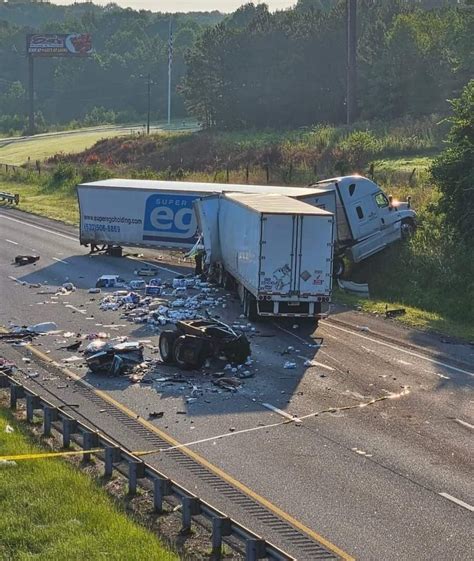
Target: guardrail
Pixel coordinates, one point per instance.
(115, 457)
(10, 197)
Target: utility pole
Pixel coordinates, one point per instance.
(170, 64)
(31, 96)
(351, 78)
(148, 103)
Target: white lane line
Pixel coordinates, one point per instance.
(404, 362)
(75, 309)
(400, 349)
(457, 501)
(60, 260)
(38, 228)
(464, 424)
(11, 241)
(281, 412)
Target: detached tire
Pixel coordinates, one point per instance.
(166, 345)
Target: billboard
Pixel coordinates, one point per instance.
(59, 44)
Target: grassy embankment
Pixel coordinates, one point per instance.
(17, 152)
(50, 510)
(429, 276)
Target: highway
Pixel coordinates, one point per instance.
(390, 480)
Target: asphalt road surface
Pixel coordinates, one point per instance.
(389, 480)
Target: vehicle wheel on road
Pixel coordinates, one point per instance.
(188, 352)
(229, 283)
(250, 306)
(338, 267)
(221, 275)
(407, 228)
(166, 344)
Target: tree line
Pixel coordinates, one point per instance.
(288, 68)
(252, 68)
(108, 87)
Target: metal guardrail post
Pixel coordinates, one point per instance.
(255, 549)
(190, 507)
(50, 414)
(69, 428)
(16, 393)
(112, 455)
(90, 440)
(32, 403)
(136, 470)
(161, 489)
(4, 381)
(221, 526)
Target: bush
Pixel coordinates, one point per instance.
(99, 116)
(359, 147)
(63, 175)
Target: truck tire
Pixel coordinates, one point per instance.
(182, 358)
(338, 267)
(407, 228)
(166, 345)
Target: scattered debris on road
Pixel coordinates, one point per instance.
(21, 260)
(43, 327)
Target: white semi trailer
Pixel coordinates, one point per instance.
(130, 212)
(276, 251)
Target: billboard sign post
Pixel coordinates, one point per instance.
(47, 45)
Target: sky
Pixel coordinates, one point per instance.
(187, 5)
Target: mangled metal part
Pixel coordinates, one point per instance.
(116, 359)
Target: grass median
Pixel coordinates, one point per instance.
(50, 510)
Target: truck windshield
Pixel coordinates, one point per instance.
(381, 200)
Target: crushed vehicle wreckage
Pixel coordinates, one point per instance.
(195, 341)
(114, 359)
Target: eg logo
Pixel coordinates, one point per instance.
(170, 218)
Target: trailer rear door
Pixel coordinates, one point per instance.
(277, 253)
(314, 263)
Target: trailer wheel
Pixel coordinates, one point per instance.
(221, 275)
(250, 306)
(166, 344)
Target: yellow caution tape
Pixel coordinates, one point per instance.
(45, 455)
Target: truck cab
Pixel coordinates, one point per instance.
(368, 219)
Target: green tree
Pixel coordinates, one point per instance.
(454, 169)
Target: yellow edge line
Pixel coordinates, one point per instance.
(211, 467)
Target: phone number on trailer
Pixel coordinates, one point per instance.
(101, 228)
